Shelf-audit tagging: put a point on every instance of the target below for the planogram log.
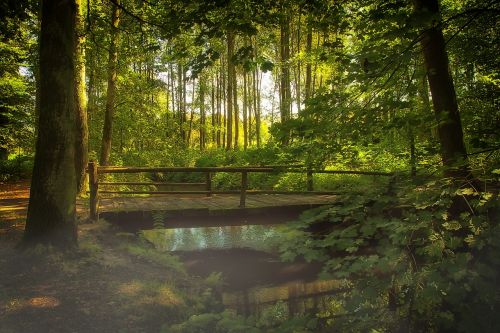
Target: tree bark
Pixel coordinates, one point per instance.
(444, 100)
(82, 131)
(111, 91)
(52, 205)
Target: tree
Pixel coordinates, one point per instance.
(52, 205)
(231, 73)
(14, 87)
(111, 92)
(444, 99)
(285, 93)
(82, 132)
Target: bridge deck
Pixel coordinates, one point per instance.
(212, 203)
(189, 210)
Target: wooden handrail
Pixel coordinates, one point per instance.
(94, 170)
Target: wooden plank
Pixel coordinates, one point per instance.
(280, 169)
(109, 169)
(149, 183)
(253, 192)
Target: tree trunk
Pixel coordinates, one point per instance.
(298, 76)
(191, 114)
(453, 152)
(308, 64)
(185, 141)
(52, 205)
(285, 95)
(82, 131)
(230, 71)
(236, 109)
(212, 109)
(202, 114)
(245, 112)
(256, 98)
(111, 92)
(219, 107)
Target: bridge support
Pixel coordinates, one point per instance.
(94, 191)
(244, 185)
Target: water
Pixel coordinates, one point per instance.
(254, 277)
(258, 237)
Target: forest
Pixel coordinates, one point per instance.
(346, 151)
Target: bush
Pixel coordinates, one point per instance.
(15, 168)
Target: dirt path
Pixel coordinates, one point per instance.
(14, 198)
(100, 288)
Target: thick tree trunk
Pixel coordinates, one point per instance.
(52, 205)
(453, 152)
(230, 71)
(82, 131)
(107, 131)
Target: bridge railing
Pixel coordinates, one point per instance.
(95, 170)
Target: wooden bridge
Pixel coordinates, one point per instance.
(199, 204)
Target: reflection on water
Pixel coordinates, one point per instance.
(254, 277)
(257, 237)
(295, 297)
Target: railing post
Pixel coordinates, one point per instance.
(209, 183)
(94, 191)
(310, 184)
(244, 185)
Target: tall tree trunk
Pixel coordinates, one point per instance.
(236, 110)
(111, 92)
(82, 132)
(179, 101)
(212, 109)
(219, 106)
(250, 108)
(202, 114)
(453, 152)
(308, 65)
(193, 95)
(285, 95)
(298, 78)
(230, 71)
(52, 205)
(256, 97)
(245, 112)
(185, 140)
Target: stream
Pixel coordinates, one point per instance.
(254, 277)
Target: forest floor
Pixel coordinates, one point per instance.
(99, 288)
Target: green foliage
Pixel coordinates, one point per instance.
(15, 168)
(275, 319)
(416, 261)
